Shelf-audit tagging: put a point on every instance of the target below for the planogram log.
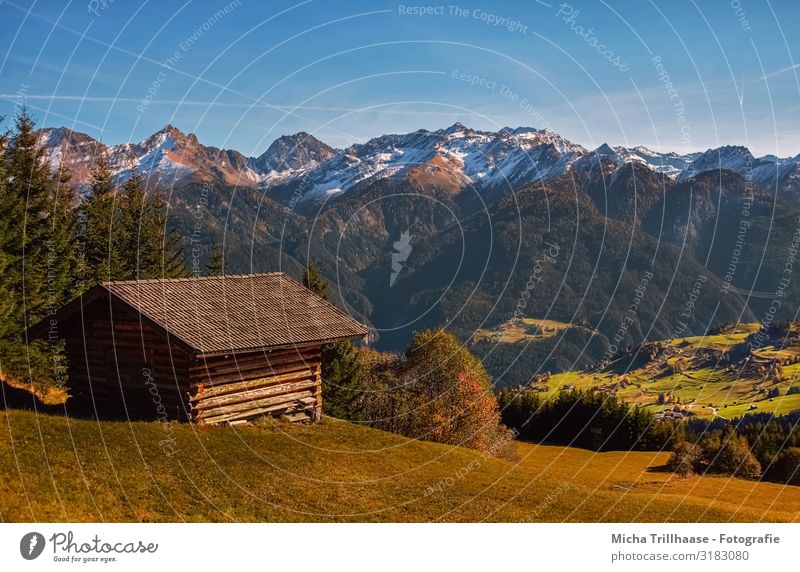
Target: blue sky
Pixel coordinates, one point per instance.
(241, 73)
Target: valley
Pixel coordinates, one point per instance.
(726, 374)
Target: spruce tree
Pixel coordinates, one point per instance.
(30, 181)
(11, 213)
(343, 368)
(39, 253)
(146, 246)
(126, 239)
(343, 372)
(314, 281)
(98, 217)
(164, 257)
(216, 263)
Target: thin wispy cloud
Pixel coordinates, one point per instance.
(187, 102)
(779, 72)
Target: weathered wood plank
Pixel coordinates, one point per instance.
(242, 361)
(254, 413)
(251, 395)
(286, 399)
(253, 374)
(211, 389)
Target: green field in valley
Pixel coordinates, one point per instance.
(522, 330)
(705, 376)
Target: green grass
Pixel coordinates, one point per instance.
(526, 330)
(58, 469)
(705, 388)
(778, 405)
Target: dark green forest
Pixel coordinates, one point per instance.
(55, 245)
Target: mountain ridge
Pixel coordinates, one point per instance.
(479, 208)
(453, 158)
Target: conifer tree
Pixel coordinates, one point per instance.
(164, 255)
(30, 181)
(97, 213)
(216, 263)
(314, 281)
(11, 212)
(147, 248)
(39, 253)
(126, 239)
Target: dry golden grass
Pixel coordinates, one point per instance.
(58, 469)
(46, 395)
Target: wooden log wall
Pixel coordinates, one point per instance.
(236, 388)
(119, 368)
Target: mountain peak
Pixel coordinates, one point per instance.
(291, 152)
(456, 127)
(170, 129)
(519, 130)
(606, 149)
(735, 158)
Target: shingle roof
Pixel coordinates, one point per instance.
(237, 312)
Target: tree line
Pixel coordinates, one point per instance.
(55, 243)
(756, 446)
(588, 419)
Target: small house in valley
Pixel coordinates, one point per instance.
(222, 349)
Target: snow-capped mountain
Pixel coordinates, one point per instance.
(671, 164)
(449, 160)
(765, 171)
(292, 154)
(168, 156)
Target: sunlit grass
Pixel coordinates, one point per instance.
(704, 390)
(55, 469)
(524, 330)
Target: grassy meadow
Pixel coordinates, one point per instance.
(524, 330)
(54, 468)
(705, 386)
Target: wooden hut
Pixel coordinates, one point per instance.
(208, 350)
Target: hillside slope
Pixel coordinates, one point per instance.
(58, 469)
(736, 371)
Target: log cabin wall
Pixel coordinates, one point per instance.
(185, 348)
(240, 387)
(121, 368)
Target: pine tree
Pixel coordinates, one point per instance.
(43, 237)
(343, 373)
(146, 246)
(30, 183)
(216, 263)
(126, 241)
(11, 213)
(38, 251)
(314, 281)
(342, 365)
(97, 213)
(162, 246)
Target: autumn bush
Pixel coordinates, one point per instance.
(684, 458)
(436, 391)
(717, 452)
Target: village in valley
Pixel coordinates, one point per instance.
(735, 370)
